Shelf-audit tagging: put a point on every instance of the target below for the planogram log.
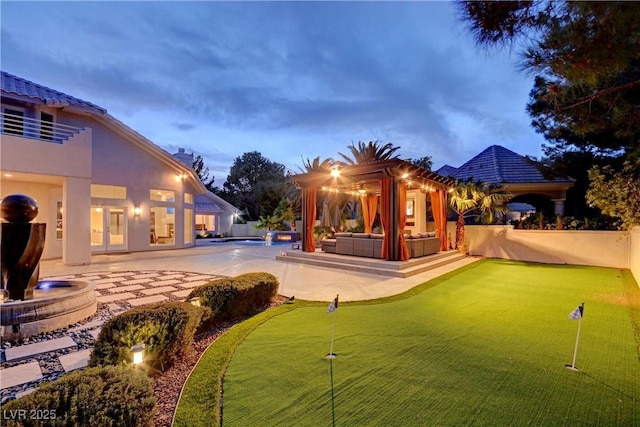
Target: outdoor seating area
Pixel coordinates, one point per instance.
(369, 245)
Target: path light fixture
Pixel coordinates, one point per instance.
(195, 301)
(137, 354)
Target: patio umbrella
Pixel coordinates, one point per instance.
(325, 219)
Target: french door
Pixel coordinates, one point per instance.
(108, 228)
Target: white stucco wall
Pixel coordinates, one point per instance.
(584, 247)
(634, 253)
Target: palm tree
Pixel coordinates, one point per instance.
(316, 165)
(476, 199)
(370, 152)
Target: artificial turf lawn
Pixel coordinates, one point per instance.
(485, 346)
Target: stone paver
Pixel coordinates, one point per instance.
(114, 307)
(25, 392)
(126, 288)
(90, 277)
(147, 300)
(105, 286)
(166, 282)
(94, 333)
(116, 297)
(200, 277)
(160, 290)
(20, 374)
(145, 276)
(76, 360)
(192, 284)
(135, 282)
(88, 325)
(172, 276)
(181, 294)
(20, 352)
(107, 280)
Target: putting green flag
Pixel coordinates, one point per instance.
(576, 314)
(333, 306)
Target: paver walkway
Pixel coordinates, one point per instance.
(28, 364)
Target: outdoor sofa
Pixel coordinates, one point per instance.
(370, 244)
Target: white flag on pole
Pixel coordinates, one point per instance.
(333, 306)
(576, 314)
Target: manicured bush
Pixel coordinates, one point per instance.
(106, 396)
(166, 329)
(234, 297)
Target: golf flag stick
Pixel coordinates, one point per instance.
(333, 308)
(576, 314)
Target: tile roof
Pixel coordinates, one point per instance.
(497, 165)
(446, 170)
(27, 90)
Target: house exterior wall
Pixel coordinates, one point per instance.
(116, 161)
(584, 247)
(53, 172)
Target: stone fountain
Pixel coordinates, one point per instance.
(29, 306)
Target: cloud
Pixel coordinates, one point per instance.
(273, 73)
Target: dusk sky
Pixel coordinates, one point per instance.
(288, 79)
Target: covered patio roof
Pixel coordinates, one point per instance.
(352, 179)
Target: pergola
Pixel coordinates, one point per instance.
(386, 181)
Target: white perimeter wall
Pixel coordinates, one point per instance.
(584, 247)
(634, 253)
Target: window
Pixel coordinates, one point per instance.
(13, 121)
(162, 195)
(161, 226)
(188, 225)
(188, 198)
(108, 191)
(46, 126)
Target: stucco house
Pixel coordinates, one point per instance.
(101, 187)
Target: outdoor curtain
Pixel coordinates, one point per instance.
(439, 208)
(309, 200)
(369, 207)
(386, 215)
(402, 221)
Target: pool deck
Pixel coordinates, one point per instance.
(303, 281)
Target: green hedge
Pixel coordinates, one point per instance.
(166, 329)
(107, 396)
(234, 297)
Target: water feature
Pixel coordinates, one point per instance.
(29, 306)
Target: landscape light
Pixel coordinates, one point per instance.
(137, 354)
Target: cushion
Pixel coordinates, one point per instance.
(361, 235)
(377, 236)
(343, 234)
(431, 234)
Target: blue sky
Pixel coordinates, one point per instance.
(288, 79)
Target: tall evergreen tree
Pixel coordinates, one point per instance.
(203, 172)
(255, 184)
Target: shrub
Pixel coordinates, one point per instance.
(166, 329)
(104, 396)
(233, 297)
